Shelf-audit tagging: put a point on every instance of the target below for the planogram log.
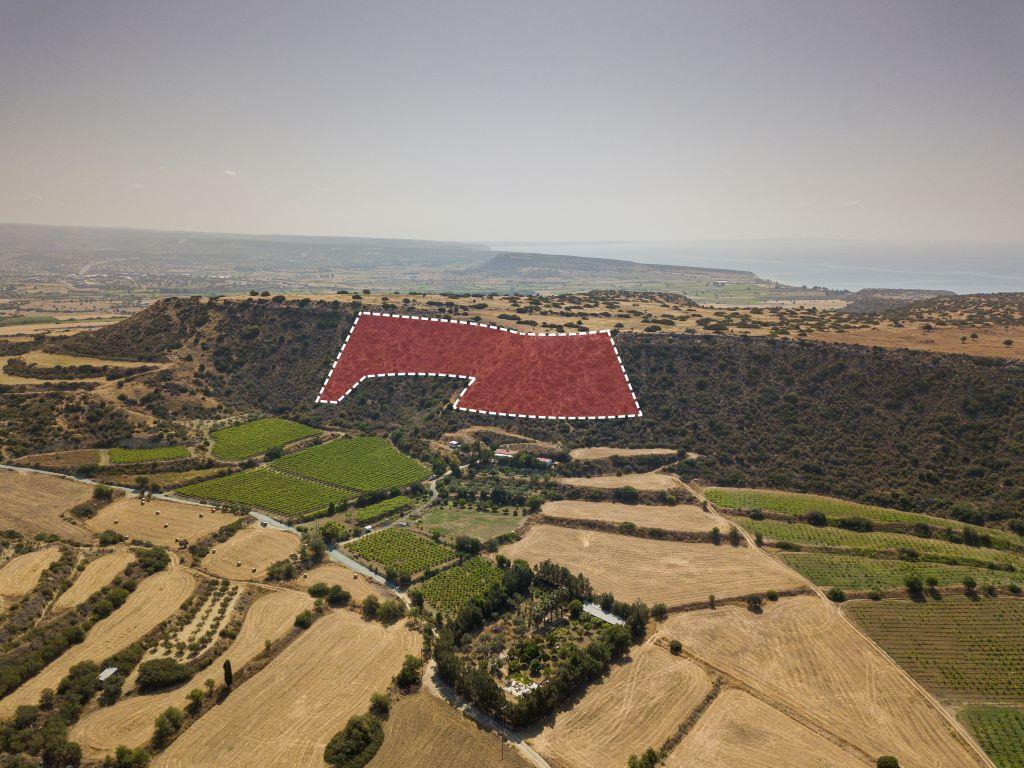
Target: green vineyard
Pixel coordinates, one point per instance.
(1000, 732)
(256, 437)
(454, 588)
(381, 509)
(272, 491)
(362, 463)
(138, 455)
(402, 550)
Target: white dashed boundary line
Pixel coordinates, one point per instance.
(472, 379)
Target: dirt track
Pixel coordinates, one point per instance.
(651, 570)
(156, 598)
(286, 714)
(20, 575)
(254, 548)
(638, 705)
(130, 721)
(141, 521)
(681, 517)
(98, 573)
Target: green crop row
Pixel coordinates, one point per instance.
(799, 505)
(363, 463)
(400, 549)
(286, 495)
(859, 572)
(454, 588)
(256, 437)
(1000, 731)
(381, 509)
(138, 455)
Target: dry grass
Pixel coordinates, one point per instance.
(331, 573)
(286, 714)
(130, 721)
(424, 732)
(32, 503)
(652, 570)
(805, 659)
(644, 481)
(155, 599)
(20, 575)
(48, 360)
(175, 520)
(98, 573)
(681, 517)
(66, 459)
(584, 454)
(739, 730)
(252, 547)
(638, 705)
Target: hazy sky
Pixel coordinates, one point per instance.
(518, 120)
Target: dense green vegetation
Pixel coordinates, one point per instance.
(451, 590)
(256, 437)
(1000, 731)
(401, 550)
(363, 463)
(356, 745)
(284, 494)
(863, 572)
(138, 455)
(958, 647)
(371, 512)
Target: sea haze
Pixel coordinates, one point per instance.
(963, 268)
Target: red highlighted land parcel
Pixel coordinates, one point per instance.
(509, 373)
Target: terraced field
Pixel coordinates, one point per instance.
(256, 437)
(401, 549)
(20, 575)
(876, 541)
(137, 455)
(461, 521)
(454, 588)
(799, 505)
(158, 521)
(32, 503)
(362, 463)
(680, 517)
(956, 647)
(1000, 731)
(642, 481)
(98, 573)
(272, 491)
(249, 553)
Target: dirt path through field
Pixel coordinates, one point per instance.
(155, 599)
(98, 573)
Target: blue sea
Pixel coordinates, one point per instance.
(962, 268)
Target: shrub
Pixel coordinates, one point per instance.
(887, 761)
(409, 675)
(675, 647)
(161, 673)
(754, 603)
(166, 726)
(390, 611)
(659, 611)
(109, 538)
(282, 570)
(152, 559)
(304, 620)
(914, 586)
(319, 589)
(124, 757)
(380, 705)
(836, 595)
(356, 745)
(337, 596)
(370, 606)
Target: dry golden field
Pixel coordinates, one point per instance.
(425, 732)
(584, 454)
(32, 503)
(156, 598)
(642, 481)
(255, 548)
(130, 720)
(138, 520)
(286, 714)
(20, 575)
(331, 573)
(98, 573)
(639, 704)
(681, 517)
(740, 730)
(655, 571)
(804, 658)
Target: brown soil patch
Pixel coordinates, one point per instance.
(252, 547)
(424, 732)
(65, 459)
(20, 575)
(130, 721)
(155, 599)
(681, 517)
(804, 658)
(739, 730)
(286, 714)
(638, 705)
(98, 573)
(645, 481)
(652, 570)
(585, 454)
(331, 573)
(138, 520)
(32, 503)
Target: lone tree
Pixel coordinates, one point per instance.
(887, 761)
(228, 675)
